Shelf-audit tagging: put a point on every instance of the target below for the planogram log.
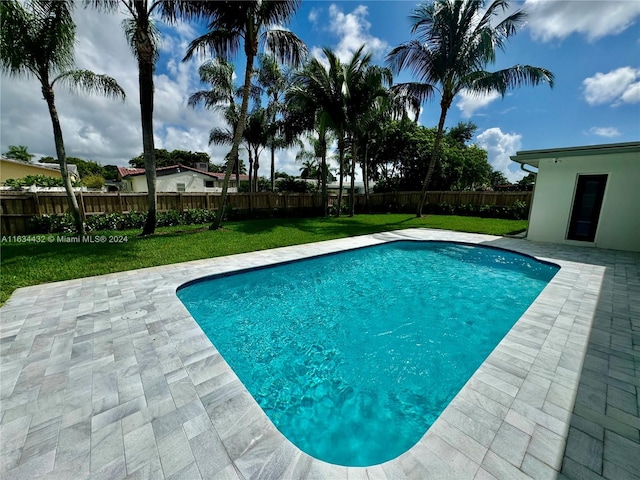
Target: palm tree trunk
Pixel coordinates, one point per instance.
(47, 92)
(232, 157)
(322, 140)
(352, 195)
(256, 166)
(434, 155)
(273, 168)
(250, 170)
(341, 160)
(365, 176)
(145, 53)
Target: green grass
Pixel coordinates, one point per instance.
(25, 264)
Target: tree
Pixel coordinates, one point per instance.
(366, 86)
(401, 147)
(256, 137)
(165, 158)
(221, 97)
(85, 167)
(320, 92)
(143, 37)
(307, 112)
(497, 178)
(249, 22)
(275, 81)
(455, 43)
(38, 40)
(19, 152)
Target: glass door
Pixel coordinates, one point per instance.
(586, 207)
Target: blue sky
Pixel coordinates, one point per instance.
(592, 47)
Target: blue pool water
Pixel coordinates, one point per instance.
(354, 355)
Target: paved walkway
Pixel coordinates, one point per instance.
(110, 377)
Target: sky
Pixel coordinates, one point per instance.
(591, 46)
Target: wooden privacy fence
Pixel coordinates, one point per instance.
(411, 199)
(16, 208)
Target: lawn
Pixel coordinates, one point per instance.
(25, 264)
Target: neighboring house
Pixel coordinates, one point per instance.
(177, 178)
(586, 195)
(16, 169)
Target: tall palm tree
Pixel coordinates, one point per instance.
(456, 41)
(250, 22)
(143, 37)
(256, 136)
(274, 80)
(320, 91)
(221, 97)
(366, 84)
(38, 40)
(305, 113)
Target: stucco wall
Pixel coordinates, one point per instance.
(16, 170)
(194, 182)
(619, 225)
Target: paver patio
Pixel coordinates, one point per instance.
(110, 377)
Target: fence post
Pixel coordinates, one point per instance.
(36, 202)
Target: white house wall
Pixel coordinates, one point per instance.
(619, 225)
(194, 183)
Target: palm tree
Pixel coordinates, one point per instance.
(19, 152)
(250, 22)
(366, 84)
(143, 37)
(38, 40)
(456, 41)
(256, 136)
(320, 92)
(274, 80)
(221, 97)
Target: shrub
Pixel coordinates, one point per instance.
(93, 181)
(51, 224)
(37, 180)
(118, 221)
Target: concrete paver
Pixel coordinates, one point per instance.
(110, 377)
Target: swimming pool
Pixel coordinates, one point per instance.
(354, 355)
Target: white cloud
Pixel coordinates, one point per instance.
(352, 30)
(313, 15)
(469, 101)
(500, 146)
(102, 129)
(605, 131)
(616, 87)
(551, 20)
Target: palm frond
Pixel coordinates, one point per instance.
(415, 57)
(221, 43)
(277, 12)
(90, 82)
(220, 136)
(36, 37)
(142, 35)
(414, 93)
(285, 46)
(509, 78)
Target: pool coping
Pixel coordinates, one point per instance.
(110, 377)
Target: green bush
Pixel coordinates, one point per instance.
(51, 224)
(93, 181)
(118, 221)
(169, 219)
(37, 180)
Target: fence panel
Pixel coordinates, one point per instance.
(16, 208)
